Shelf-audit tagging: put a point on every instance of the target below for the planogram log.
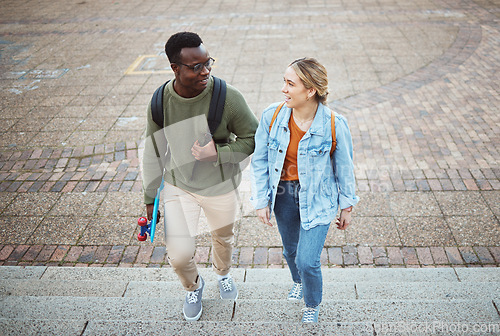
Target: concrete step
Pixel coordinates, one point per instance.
(202, 328)
(252, 290)
(255, 275)
(207, 328)
(147, 301)
(166, 309)
(264, 284)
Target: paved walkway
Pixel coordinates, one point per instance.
(417, 80)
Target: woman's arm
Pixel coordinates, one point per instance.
(343, 164)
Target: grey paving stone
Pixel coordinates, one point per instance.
(428, 291)
(484, 274)
(373, 205)
(252, 233)
(77, 203)
(89, 308)
(372, 310)
(15, 327)
(22, 272)
(62, 288)
(406, 328)
(424, 231)
(109, 274)
(206, 328)
(128, 274)
(247, 290)
(475, 230)
(414, 204)
(32, 204)
(373, 231)
(362, 274)
(462, 203)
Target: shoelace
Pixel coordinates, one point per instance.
(296, 290)
(226, 284)
(308, 314)
(192, 297)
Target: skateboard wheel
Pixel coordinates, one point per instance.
(142, 238)
(143, 221)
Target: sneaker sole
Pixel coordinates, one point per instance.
(192, 319)
(294, 299)
(231, 299)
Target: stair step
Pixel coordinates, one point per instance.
(339, 275)
(252, 290)
(165, 309)
(148, 301)
(208, 328)
(91, 308)
(336, 275)
(16, 327)
(100, 328)
(371, 310)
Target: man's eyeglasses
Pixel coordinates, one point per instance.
(198, 67)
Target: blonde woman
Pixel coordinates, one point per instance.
(302, 169)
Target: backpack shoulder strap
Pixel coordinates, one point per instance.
(334, 136)
(215, 110)
(217, 104)
(157, 105)
(278, 109)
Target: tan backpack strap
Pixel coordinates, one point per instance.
(275, 115)
(334, 136)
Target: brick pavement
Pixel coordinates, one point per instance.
(417, 81)
(249, 257)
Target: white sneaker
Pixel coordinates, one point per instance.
(296, 292)
(227, 289)
(192, 304)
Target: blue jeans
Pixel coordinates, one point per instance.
(301, 248)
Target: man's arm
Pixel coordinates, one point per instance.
(241, 122)
(152, 170)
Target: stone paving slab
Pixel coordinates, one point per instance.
(347, 290)
(117, 274)
(418, 219)
(225, 328)
(422, 291)
(371, 310)
(83, 288)
(247, 290)
(17, 273)
(470, 275)
(14, 327)
(91, 308)
(363, 275)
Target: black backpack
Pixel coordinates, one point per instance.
(214, 112)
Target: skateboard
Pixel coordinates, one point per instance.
(147, 227)
(150, 228)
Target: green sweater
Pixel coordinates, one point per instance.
(185, 121)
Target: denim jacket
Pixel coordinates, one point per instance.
(325, 181)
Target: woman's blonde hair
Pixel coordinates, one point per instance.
(313, 75)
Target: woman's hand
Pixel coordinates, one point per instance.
(345, 219)
(264, 215)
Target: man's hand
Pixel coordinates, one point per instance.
(264, 215)
(204, 153)
(344, 220)
(149, 211)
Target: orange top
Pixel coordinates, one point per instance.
(289, 172)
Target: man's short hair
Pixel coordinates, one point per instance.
(179, 41)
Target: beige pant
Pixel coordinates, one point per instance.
(182, 215)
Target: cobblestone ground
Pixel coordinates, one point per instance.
(417, 81)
